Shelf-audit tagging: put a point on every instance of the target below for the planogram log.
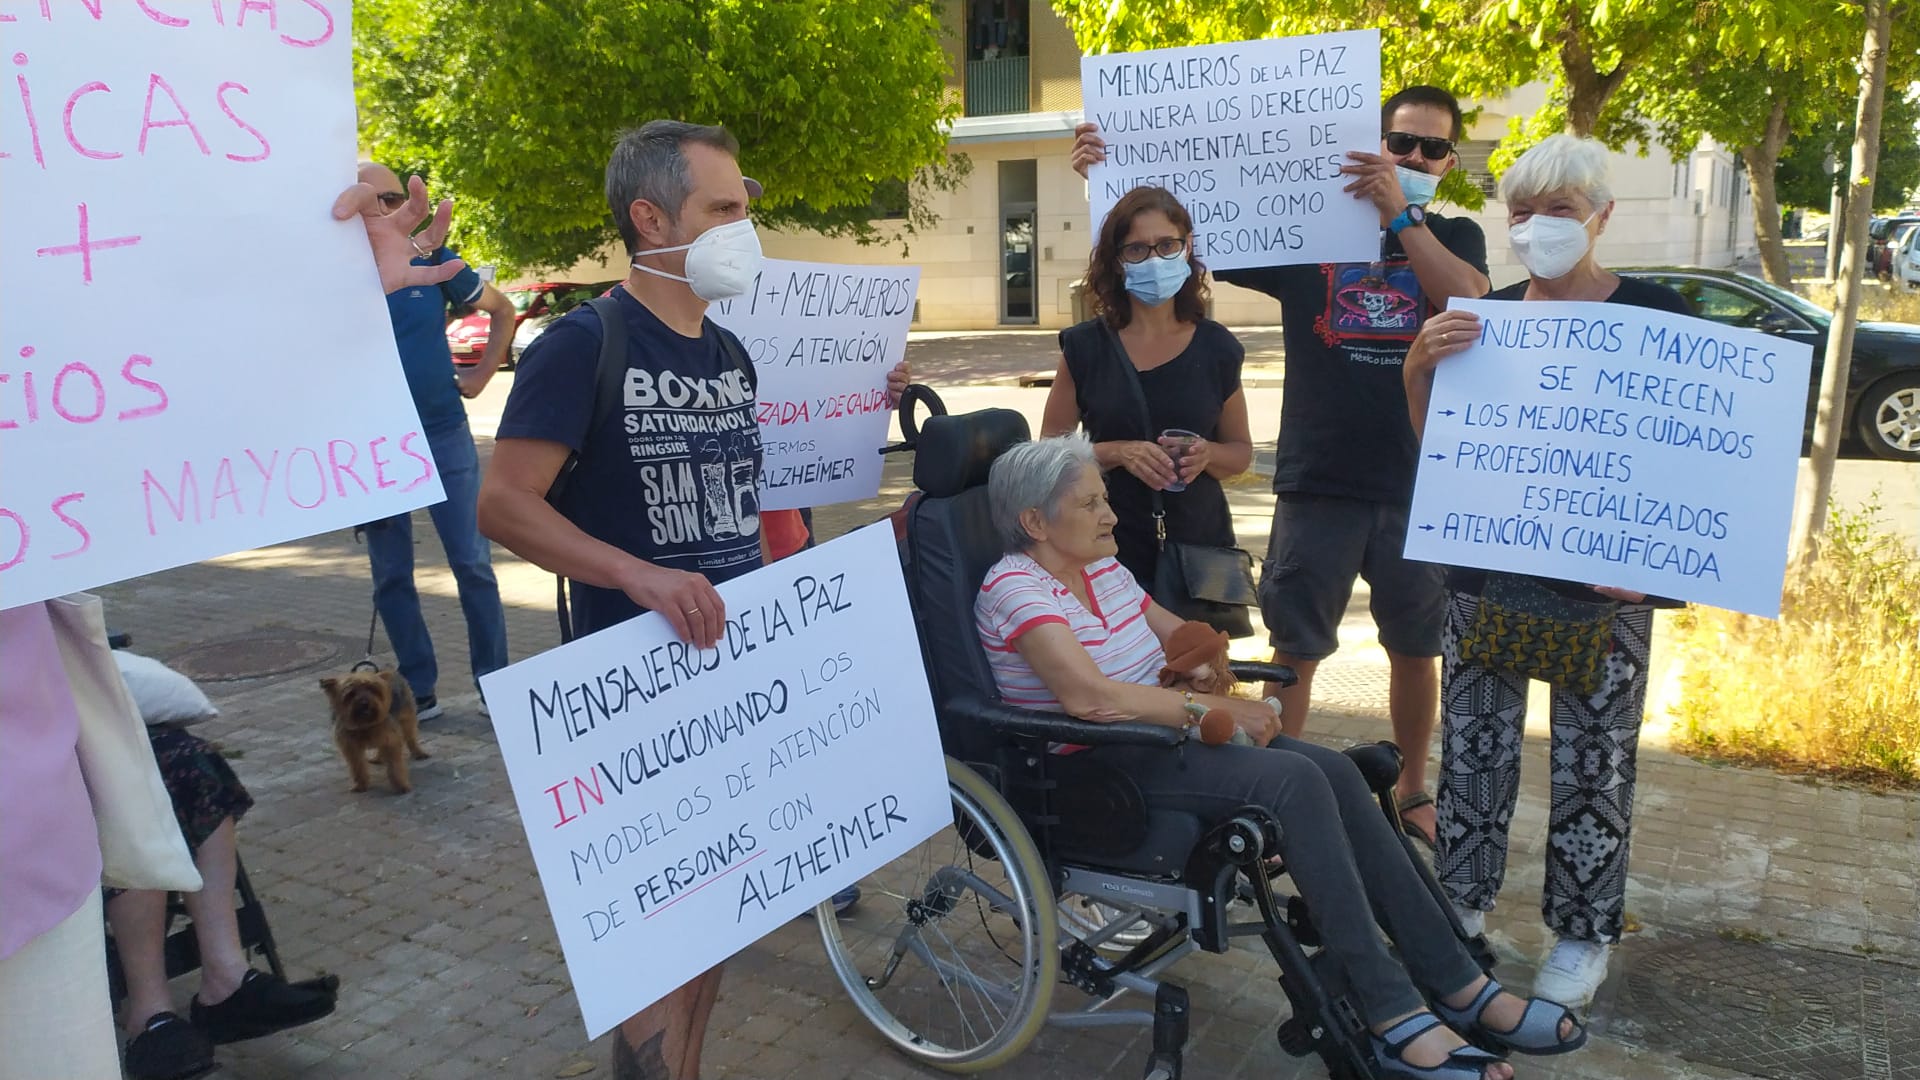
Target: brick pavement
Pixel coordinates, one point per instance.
(428, 908)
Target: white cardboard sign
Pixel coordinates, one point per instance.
(196, 357)
(1250, 136)
(681, 804)
(1615, 445)
(822, 338)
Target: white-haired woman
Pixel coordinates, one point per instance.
(1558, 203)
(1067, 628)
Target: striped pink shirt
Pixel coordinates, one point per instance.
(1019, 594)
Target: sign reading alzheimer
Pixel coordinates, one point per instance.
(153, 409)
(1250, 137)
(822, 338)
(1615, 445)
(681, 803)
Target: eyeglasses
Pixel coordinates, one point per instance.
(392, 200)
(1403, 142)
(1165, 249)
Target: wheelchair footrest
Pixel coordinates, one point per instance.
(1296, 1037)
(1170, 1022)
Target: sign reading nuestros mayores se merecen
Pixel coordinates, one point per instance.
(1615, 445)
(683, 802)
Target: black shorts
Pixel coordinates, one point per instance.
(1320, 543)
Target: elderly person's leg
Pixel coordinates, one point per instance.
(1484, 716)
(1215, 781)
(216, 925)
(661, 1042)
(160, 1044)
(1595, 740)
(1434, 956)
(138, 918)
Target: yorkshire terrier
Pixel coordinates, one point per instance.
(374, 710)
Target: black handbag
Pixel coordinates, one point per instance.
(1200, 582)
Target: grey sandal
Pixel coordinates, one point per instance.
(1465, 1063)
(1537, 1033)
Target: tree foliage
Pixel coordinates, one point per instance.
(1806, 169)
(511, 108)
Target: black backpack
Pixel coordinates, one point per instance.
(609, 375)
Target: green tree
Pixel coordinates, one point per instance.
(1805, 178)
(1757, 104)
(510, 109)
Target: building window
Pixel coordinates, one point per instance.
(997, 75)
(1473, 162)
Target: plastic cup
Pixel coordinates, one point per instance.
(1182, 440)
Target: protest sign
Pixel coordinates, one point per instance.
(682, 803)
(196, 359)
(822, 338)
(1608, 444)
(1250, 137)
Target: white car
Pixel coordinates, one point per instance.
(1906, 258)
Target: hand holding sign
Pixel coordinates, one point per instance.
(391, 235)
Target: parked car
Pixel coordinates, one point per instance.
(559, 301)
(467, 337)
(1906, 260)
(1883, 386)
(1879, 235)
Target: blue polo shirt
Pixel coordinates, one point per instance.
(419, 314)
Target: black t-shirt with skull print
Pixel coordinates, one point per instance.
(1343, 419)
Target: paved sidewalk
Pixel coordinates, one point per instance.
(427, 905)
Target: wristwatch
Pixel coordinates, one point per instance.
(1414, 214)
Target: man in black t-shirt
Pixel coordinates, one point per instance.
(663, 498)
(1346, 456)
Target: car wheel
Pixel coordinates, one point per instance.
(1888, 418)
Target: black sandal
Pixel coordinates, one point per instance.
(263, 1005)
(168, 1048)
(1414, 802)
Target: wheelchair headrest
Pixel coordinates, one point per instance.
(955, 452)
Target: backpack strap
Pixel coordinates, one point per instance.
(609, 373)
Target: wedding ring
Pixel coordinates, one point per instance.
(418, 250)
(693, 611)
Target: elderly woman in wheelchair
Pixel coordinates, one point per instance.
(1067, 628)
(1095, 844)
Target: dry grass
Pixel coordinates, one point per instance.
(1833, 686)
(1878, 303)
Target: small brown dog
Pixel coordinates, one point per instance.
(374, 710)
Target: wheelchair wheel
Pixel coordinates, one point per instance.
(954, 951)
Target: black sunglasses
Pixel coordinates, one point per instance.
(1403, 142)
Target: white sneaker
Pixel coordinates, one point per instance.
(1572, 973)
(1472, 920)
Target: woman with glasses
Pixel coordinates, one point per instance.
(1156, 385)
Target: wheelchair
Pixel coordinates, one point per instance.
(182, 948)
(1054, 871)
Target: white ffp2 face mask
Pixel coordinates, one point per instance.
(721, 262)
(1550, 247)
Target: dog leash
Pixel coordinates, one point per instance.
(367, 661)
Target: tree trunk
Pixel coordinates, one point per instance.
(1816, 484)
(1762, 159)
(1587, 88)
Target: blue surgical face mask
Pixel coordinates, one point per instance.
(1416, 185)
(1154, 280)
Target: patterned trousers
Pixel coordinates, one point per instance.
(1484, 715)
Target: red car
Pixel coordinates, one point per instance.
(467, 337)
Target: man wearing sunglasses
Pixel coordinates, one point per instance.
(1346, 458)
(419, 316)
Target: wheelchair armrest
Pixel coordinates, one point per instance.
(1379, 765)
(1250, 670)
(1059, 727)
